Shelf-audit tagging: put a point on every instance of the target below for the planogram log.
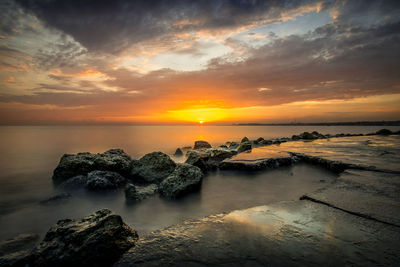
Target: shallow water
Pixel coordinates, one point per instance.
(30, 153)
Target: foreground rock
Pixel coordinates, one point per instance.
(201, 144)
(15, 251)
(153, 167)
(115, 160)
(278, 160)
(137, 193)
(97, 240)
(298, 233)
(104, 180)
(178, 152)
(185, 178)
(208, 159)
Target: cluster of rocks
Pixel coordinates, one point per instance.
(96, 240)
(115, 169)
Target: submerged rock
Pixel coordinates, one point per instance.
(115, 160)
(104, 180)
(56, 198)
(137, 193)
(185, 178)
(244, 146)
(153, 167)
(97, 240)
(384, 132)
(16, 251)
(74, 183)
(201, 144)
(178, 152)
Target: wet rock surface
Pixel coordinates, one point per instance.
(244, 146)
(16, 251)
(96, 240)
(104, 180)
(185, 178)
(201, 144)
(298, 233)
(153, 167)
(72, 165)
(208, 159)
(135, 193)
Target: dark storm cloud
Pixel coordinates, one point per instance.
(113, 26)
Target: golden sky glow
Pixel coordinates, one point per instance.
(225, 63)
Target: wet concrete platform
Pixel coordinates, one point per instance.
(374, 195)
(298, 233)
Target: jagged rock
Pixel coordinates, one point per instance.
(208, 159)
(16, 251)
(138, 193)
(384, 132)
(73, 183)
(153, 167)
(244, 146)
(178, 152)
(233, 145)
(115, 160)
(56, 198)
(104, 180)
(201, 144)
(185, 178)
(244, 139)
(97, 240)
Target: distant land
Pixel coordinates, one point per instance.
(356, 123)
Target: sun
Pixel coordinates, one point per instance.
(201, 122)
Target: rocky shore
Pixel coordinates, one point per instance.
(354, 221)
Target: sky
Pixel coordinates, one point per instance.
(182, 62)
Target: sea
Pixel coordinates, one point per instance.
(29, 155)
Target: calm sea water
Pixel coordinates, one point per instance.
(30, 153)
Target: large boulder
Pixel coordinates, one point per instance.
(16, 251)
(72, 165)
(185, 178)
(137, 193)
(201, 144)
(244, 146)
(97, 240)
(153, 167)
(104, 180)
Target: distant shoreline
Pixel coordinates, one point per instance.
(360, 123)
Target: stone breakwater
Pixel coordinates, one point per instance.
(354, 221)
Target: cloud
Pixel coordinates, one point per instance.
(112, 28)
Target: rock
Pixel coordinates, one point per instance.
(244, 139)
(307, 136)
(73, 183)
(384, 132)
(97, 240)
(276, 142)
(266, 142)
(258, 164)
(137, 193)
(201, 144)
(56, 198)
(296, 137)
(260, 139)
(233, 145)
(208, 159)
(153, 167)
(185, 178)
(223, 146)
(178, 152)
(104, 180)
(16, 251)
(244, 146)
(82, 163)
